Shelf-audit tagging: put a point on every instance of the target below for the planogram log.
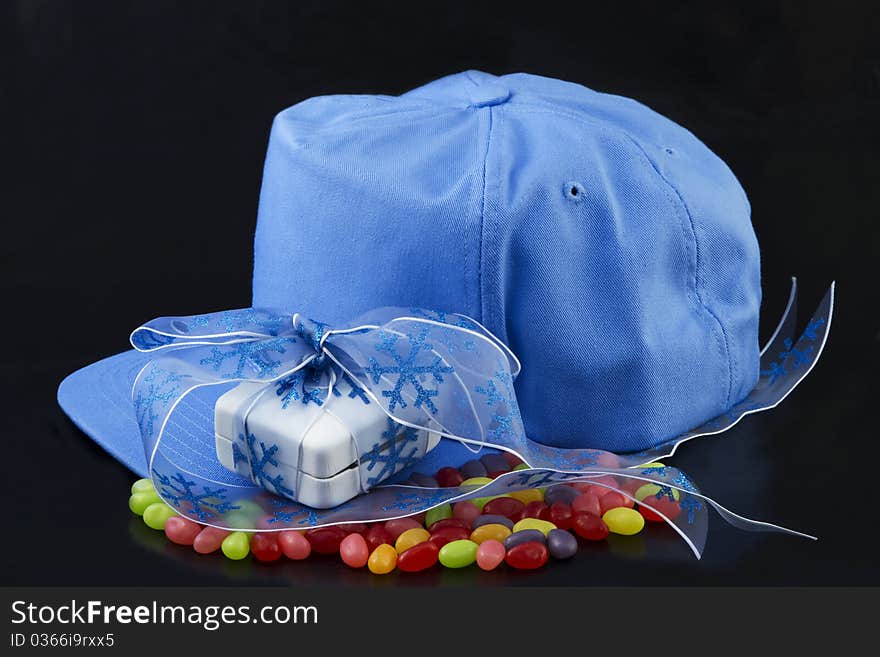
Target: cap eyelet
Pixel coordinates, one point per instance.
(574, 191)
(669, 151)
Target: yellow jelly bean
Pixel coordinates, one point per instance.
(521, 466)
(488, 532)
(476, 481)
(157, 514)
(383, 560)
(651, 490)
(653, 464)
(411, 537)
(528, 495)
(236, 546)
(622, 520)
(542, 526)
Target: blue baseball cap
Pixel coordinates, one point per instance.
(606, 245)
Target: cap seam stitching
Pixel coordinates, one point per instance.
(481, 299)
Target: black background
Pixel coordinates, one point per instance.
(133, 139)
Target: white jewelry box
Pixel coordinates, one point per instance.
(320, 456)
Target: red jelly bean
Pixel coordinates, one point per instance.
(354, 551)
(590, 527)
(209, 540)
(448, 477)
(496, 473)
(527, 556)
(560, 515)
(182, 531)
(377, 535)
(613, 500)
(294, 545)
(504, 506)
(354, 528)
(586, 503)
(396, 527)
(450, 522)
(444, 535)
(534, 509)
(326, 540)
(265, 547)
(466, 511)
(511, 459)
(419, 557)
(664, 505)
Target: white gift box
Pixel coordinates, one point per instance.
(320, 456)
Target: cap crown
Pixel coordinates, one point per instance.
(605, 244)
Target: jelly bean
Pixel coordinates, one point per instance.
(157, 514)
(528, 495)
(382, 560)
(326, 540)
(209, 539)
(622, 520)
(423, 480)
(235, 546)
(653, 490)
(458, 554)
(377, 535)
(294, 544)
(444, 535)
(473, 468)
(524, 536)
(512, 459)
(489, 519)
(476, 481)
(399, 525)
(354, 551)
(629, 485)
(607, 460)
(520, 466)
(142, 486)
(438, 513)
(139, 501)
(504, 506)
(613, 500)
(561, 544)
(240, 520)
(560, 515)
(534, 509)
(265, 546)
(664, 505)
(418, 557)
(652, 464)
(590, 527)
(467, 511)
(560, 493)
(534, 523)
(493, 532)
(449, 522)
(490, 554)
(586, 503)
(495, 463)
(182, 531)
(411, 537)
(354, 528)
(527, 556)
(448, 477)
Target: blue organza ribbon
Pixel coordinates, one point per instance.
(438, 372)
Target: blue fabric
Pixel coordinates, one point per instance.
(609, 247)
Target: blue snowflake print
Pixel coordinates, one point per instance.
(450, 338)
(660, 472)
(355, 391)
(812, 330)
(252, 319)
(683, 482)
(312, 332)
(407, 501)
(493, 398)
(254, 354)
(536, 479)
(789, 361)
(408, 371)
(261, 457)
(389, 452)
(157, 388)
(179, 491)
(691, 505)
(198, 321)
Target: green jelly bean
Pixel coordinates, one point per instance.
(521, 466)
(235, 519)
(458, 554)
(139, 502)
(236, 546)
(142, 486)
(438, 513)
(157, 514)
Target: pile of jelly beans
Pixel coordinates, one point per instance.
(523, 529)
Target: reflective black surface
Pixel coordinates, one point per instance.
(134, 144)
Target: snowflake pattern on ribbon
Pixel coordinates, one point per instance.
(157, 388)
(254, 354)
(260, 457)
(389, 452)
(184, 495)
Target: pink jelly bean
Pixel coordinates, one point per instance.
(467, 511)
(209, 539)
(182, 531)
(354, 551)
(396, 527)
(490, 554)
(294, 545)
(586, 503)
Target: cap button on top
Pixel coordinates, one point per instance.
(488, 94)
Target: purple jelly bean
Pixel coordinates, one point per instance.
(423, 480)
(523, 536)
(472, 469)
(492, 519)
(495, 463)
(560, 493)
(561, 544)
